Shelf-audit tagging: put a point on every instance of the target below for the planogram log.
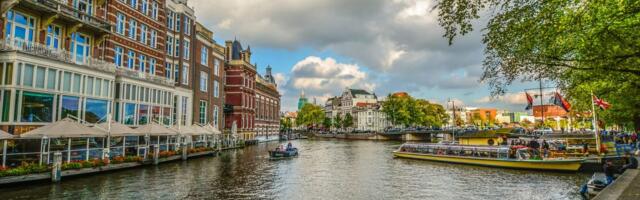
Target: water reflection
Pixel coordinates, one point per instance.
(324, 170)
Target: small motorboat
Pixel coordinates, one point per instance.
(597, 183)
(284, 154)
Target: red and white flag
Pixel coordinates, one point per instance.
(601, 103)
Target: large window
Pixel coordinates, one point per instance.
(96, 110)
(187, 26)
(85, 6)
(143, 33)
(216, 89)
(131, 60)
(203, 112)
(70, 106)
(53, 36)
(170, 19)
(133, 26)
(120, 20)
(119, 54)
(134, 4)
(144, 7)
(169, 45)
(215, 116)
(204, 56)
(184, 110)
(20, 27)
(178, 22)
(154, 10)
(216, 67)
(36, 107)
(142, 62)
(204, 81)
(185, 75)
(129, 114)
(80, 47)
(143, 115)
(153, 38)
(152, 66)
(169, 70)
(186, 49)
(177, 48)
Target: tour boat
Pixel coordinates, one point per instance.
(284, 154)
(498, 156)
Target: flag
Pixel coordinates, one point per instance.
(601, 103)
(529, 101)
(558, 100)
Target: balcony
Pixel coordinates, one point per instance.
(61, 10)
(126, 72)
(41, 50)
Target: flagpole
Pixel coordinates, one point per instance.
(595, 123)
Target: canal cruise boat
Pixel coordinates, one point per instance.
(492, 156)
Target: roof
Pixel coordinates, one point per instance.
(359, 91)
(65, 128)
(156, 129)
(236, 50)
(5, 135)
(364, 104)
(118, 129)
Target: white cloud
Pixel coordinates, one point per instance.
(518, 98)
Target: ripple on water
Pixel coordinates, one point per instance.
(329, 169)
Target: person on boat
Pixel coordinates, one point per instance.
(545, 148)
(609, 171)
(289, 146)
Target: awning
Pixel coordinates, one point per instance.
(118, 129)
(65, 128)
(155, 129)
(5, 135)
(184, 130)
(212, 129)
(199, 130)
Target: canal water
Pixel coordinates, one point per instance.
(325, 169)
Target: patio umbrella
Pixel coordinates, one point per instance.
(199, 130)
(5, 135)
(118, 129)
(155, 129)
(212, 129)
(65, 128)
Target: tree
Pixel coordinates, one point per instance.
(285, 123)
(337, 122)
(348, 120)
(327, 123)
(310, 115)
(397, 109)
(582, 46)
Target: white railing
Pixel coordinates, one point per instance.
(62, 6)
(144, 76)
(37, 49)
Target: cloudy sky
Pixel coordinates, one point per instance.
(324, 46)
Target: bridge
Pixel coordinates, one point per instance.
(417, 135)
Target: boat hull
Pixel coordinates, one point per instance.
(283, 154)
(550, 165)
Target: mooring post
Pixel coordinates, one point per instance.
(56, 170)
(185, 150)
(156, 154)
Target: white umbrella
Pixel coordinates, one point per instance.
(65, 128)
(118, 129)
(5, 135)
(154, 129)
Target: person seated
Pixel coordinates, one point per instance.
(289, 146)
(632, 162)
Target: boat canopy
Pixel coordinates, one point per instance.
(65, 128)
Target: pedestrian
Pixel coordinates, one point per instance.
(609, 171)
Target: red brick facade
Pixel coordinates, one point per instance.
(240, 89)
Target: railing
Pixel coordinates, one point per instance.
(144, 76)
(38, 49)
(63, 7)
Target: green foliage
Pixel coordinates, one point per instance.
(286, 123)
(337, 122)
(310, 115)
(327, 123)
(24, 169)
(583, 46)
(407, 111)
(348, 120)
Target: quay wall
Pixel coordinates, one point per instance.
(626, 187)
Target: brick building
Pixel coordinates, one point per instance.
(267, 122)
(208, 91)
(240, 89)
